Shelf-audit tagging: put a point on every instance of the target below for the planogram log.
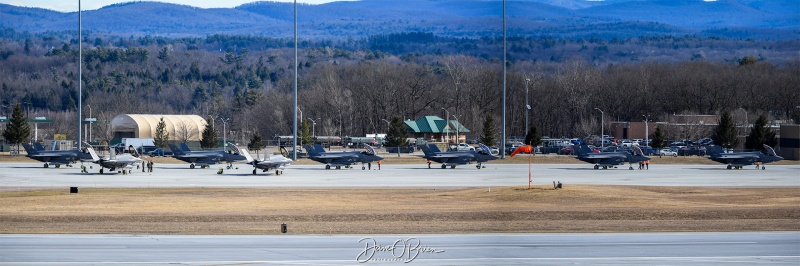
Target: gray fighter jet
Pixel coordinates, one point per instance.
(123, 163)
(205, 158)
(269, 163)
(483, 154)
(610, 159)
(57, 158)
(739, 159)
(339, 159)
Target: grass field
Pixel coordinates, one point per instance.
(419, 211)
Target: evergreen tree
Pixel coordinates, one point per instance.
(725, 133)
(255, 142)
(209, 138)
(658, 139)
(489, 130)
(162, 136)
(17, 130)
(396, 137)
(305, 132)
(533, 138)
(760, 134)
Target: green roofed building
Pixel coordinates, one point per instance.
(438, 129)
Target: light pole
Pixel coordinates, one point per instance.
(313, 127)
(602, 138)
(224, 132)
(527, 106)
(388, 125)
(294, 119)
(646, 129)
(90, 122)
(458, 138)
(447, 118)
(746, 122)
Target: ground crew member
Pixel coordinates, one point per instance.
(379, 165)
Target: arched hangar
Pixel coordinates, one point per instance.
(179, 127)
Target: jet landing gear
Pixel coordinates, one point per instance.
(46, 165)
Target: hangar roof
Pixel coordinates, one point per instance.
(144, 125)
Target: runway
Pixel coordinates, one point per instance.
(775, 248)
(33, 175)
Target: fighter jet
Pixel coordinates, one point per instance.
(339, 159)
(606, 159)
(206, 158)
(270, 162)
(483, 154)
(124, 161)
(56, 158)
(739, 159)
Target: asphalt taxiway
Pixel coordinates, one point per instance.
(746, 248)
(33, 175)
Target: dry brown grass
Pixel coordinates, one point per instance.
(342, 211)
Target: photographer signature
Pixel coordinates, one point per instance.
(402, 250)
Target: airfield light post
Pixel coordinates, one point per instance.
(313, 127)
(80, 71)
(602, 138)
(458, 139)
(224, 132)
(505, 54)
(527, 106)
(90, 122)
(646, 129)
(388, 125)
(746, 122)
(294, 119)
(447, 118)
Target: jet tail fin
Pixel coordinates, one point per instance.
(29, 149)
(319, 148)
(429, 150)
(714, 150)
(176, 150)
(310, 150)
(185, 147)
(38, 146)
(583, 149)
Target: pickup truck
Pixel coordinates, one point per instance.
(462, 147)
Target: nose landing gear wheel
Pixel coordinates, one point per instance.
(327, 167)
(444, 166)
(729, 167)
(191, 166)
(254, 171)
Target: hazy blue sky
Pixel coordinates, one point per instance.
(72, 6)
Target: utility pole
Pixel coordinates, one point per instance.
(602, 138)
(527, 106)
(646, 129)
(224, 132)
(447, 118)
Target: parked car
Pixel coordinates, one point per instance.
(668, 152)
(566, 151)
(159, 152)
(647, 150)
(404, 149)
(462, 147)
(692, 150)
(510, 147)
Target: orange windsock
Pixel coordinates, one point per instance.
(523, 148)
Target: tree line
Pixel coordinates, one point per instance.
(349, 92)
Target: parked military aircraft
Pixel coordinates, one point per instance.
(270, 162)
(739, 159)
(205, 158)
(606, 159)
(339, 159)
(57, 158)
(432, 152)
(124, 161)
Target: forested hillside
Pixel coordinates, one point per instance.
(349, 87)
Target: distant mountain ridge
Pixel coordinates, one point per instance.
(778, 19)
